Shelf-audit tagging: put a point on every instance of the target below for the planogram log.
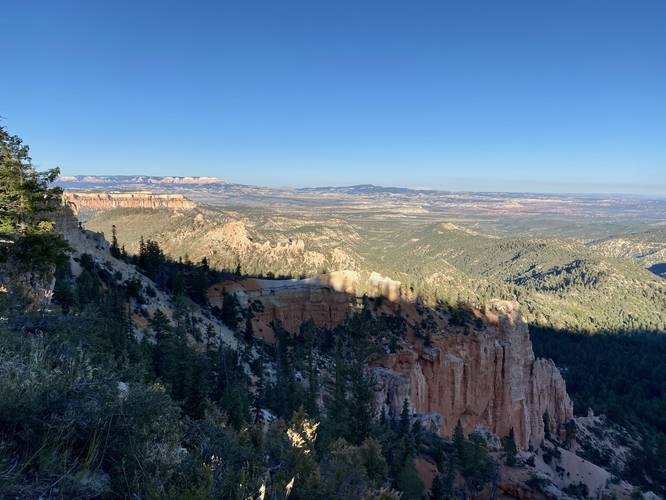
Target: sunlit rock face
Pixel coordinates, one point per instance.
(140, 199)
(484, 375)
(486, 378)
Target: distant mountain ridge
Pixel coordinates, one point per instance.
(366, 189)
(399, 201)
(120, 181)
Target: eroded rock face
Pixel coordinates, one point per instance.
(484, 374)
(141, 199)
(324, 299)
(289, 303)
(485, 378)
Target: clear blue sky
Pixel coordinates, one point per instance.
(483, 95)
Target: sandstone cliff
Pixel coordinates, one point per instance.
(484, 374)
(140, 199)
(485, 378)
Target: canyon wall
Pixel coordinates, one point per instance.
(139, 199)
(484, 374)
(484, 378)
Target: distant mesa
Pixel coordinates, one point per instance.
(110, 200)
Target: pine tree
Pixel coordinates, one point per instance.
(27, 206)
(115, 251)
(162, 350)
(338, 414)
(313, 386)
(405, 418)
(235, 403)
(195, 405)
(448, 478)
(230, 310)
(459, 443)
(510, 449)
(408, 481)
(249, 330)
(286, 389)
(437, 489)
(383, 420)
(477, 468)
(360, 407)
(210, 335)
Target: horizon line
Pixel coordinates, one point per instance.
(613, 194)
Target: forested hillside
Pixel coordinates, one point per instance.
(647, 248)
(129, 382)
(561, 283)
(123, 384)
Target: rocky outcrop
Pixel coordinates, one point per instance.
(289, 303)
(484, 374)
(324, 299)
(486, 377)
(140, 199)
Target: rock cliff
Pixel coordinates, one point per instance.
(324, 299)
(140, 199)
(484, 378)
(484, 374)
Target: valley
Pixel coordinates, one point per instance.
(568, 274)
(333, 251)
(472, 349)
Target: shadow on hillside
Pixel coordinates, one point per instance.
(621, 373)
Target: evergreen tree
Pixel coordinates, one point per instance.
(459, 443)
(151, 258)
(360, 401)
(235, 403)
(115, 251)
(248, 334)
(437, 489)
(405, 418)
(286, 391)
(27, 206)
(510, 449)
(229, 313)
(210, 335)
(338, 414)
(477, 467)
(162, 351)
(408, 481)
(313, 386)
(195, 405)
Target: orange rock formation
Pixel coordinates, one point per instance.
(138, 199)
(485, 376)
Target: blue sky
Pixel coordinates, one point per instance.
(467, 95)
